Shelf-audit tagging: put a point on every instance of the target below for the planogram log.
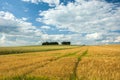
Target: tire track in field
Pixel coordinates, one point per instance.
(38, 62)
(67, 55)
(43, 51)
(22, 66)
(74, 76)
(46, 62)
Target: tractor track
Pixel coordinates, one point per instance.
(67, 55)
(48, 61)
(74, 76)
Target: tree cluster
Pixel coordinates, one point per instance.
(55, 43)
(65, 43)
(50, 43)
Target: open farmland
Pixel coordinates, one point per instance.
(61, 63)
(26, 49)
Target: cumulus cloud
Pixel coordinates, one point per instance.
(94, 36)
(112, 40)
(14, 30)
(50, 2)
(89, 21)
(85, 16)
(117, 39)
(6, 15)
(57, 37)
(45, 27)
(95, 15)
(24, 19)
(10, 24)
(2, 39)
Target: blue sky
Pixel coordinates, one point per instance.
(31, 22)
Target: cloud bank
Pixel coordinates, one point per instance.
(88, 21)
(15, 31)
(99, 20)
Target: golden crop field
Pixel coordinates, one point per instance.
(61, 63)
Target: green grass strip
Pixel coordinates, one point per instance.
(26, 78)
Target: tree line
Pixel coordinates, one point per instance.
(56, 43)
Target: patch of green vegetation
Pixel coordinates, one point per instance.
(26, 78)
(70, 54)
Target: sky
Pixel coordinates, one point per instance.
(31, 22)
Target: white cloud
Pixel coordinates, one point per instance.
(2, 39)
(24, 19)
(56, 37)
(6, 15)
(94, 36)
(109, 39)
(10, 24)
(89, 21)
(15, 30)
(50, 2)
(45, 27)
(117, 39)
(95, 18)
(89, 16)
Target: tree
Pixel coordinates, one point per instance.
(50, 43)
(66, 43)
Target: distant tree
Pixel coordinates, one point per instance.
(45, 43)
(53, 43)
(83, 45)
(50, 43)
(65, 43)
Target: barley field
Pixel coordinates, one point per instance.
(60, 63)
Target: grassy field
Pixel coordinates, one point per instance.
(26, 49)
(60, 63)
